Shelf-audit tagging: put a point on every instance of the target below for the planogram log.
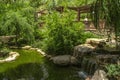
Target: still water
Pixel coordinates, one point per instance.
(41, 71)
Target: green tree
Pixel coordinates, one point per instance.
(15, 24)
(17, 18)
(109, 11)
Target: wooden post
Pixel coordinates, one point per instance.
(78, 15)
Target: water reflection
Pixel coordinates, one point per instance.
(30, 71)
(40, 71)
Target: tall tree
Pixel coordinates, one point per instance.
(17, 19)
(109, 11)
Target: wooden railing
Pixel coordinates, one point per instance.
(6, 39)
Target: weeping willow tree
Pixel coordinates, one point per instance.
(109, 11)
(17, 18)
(17, 25)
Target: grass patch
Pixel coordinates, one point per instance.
(26, 56)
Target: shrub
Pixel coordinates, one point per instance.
(89, 35)
(63, 34)
(113, 70)
(4, 52)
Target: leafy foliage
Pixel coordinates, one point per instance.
(17, 18)
(15, 24)
(52, 3)
(63, 34)
(113, 70)
(109, 11)
(4, 52)
(20, 18)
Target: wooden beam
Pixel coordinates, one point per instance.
(86, 7)
(83, 9)
(78, 15)
(59, 9)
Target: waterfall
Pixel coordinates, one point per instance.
(88, 65)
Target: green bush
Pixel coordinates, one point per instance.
(89, 35)
(4, 52)
(62, 34)
(113, 70)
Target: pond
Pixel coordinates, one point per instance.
(32, 66)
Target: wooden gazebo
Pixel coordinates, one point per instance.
(79, 10)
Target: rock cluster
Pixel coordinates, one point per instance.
(12, 56)
(96, 42)
(90, 45)
(83, 49)
(36, 49)
(99, 75)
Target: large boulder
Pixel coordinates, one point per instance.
(61, 60)
(83, 49)
(100, 43)
(99, 75)
(64, 60)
